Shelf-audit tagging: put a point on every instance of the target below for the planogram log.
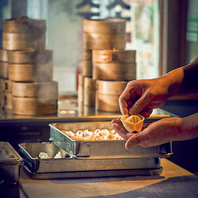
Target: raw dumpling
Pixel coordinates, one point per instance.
(132, 123)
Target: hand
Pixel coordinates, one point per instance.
(159, 132)
(142, 96)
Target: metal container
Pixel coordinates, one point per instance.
(10, 164)
(104, 148)
(71, 167)
(89, 158)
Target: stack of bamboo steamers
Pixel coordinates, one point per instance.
(26, 68)
(107, 66)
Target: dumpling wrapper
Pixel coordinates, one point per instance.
(133, 123)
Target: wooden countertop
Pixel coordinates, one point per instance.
(174, 182)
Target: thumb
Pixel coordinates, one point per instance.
(140, 105)
(134, 140)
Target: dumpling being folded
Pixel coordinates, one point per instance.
(132, 123)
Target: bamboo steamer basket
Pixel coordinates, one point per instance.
(34, 106)
(107, 95)
(35, 90)
(114, 56)
(24, 24)
(98, 41)
(21, 41)
(6, 85)
(104, 26)
(1, 98)
(80, 88)
(6, 100)
(87, 68)
(87, 63)
(37, 65)
(1, 84)
(87, 54)
(104, 34)
(89, 91)
(114, 71)
(23, 33)
(4, 69)
(3, 55)
(30, 72)
(30, 56)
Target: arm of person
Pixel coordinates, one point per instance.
(160, 132)
(142, 96)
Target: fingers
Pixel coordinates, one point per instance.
(141, 105)
(118, 127)
(127, 99)
(147, 112)
(123, 102)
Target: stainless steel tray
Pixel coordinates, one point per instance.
(81, 166)
(10, 164)
(101, 149)
(89, 158)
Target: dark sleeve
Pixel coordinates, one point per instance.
(190, 81)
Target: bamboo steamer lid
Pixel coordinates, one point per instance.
(97, 41)
(6, 85)
(24, 24)
(114, 71)
(31, 72)
(30, 56)
(3, 55)
(35, 90)
(109, 25)
(34, 106)
(23, 33)
(114, 56)
(4, 69)
(107, 95)
(7, 100)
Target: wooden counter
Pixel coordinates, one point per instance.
(174, 182)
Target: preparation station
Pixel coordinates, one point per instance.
(57, 143)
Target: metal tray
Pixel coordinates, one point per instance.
(10, 164)
(81, 166)
(101, 149)
(89, 158)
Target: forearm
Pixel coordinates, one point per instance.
(188, 128)
(182, 81)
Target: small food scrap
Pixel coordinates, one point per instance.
(98, 134)
(43, 155)
(132, 123)
(58, 155)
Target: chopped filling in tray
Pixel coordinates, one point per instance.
(98, 134)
